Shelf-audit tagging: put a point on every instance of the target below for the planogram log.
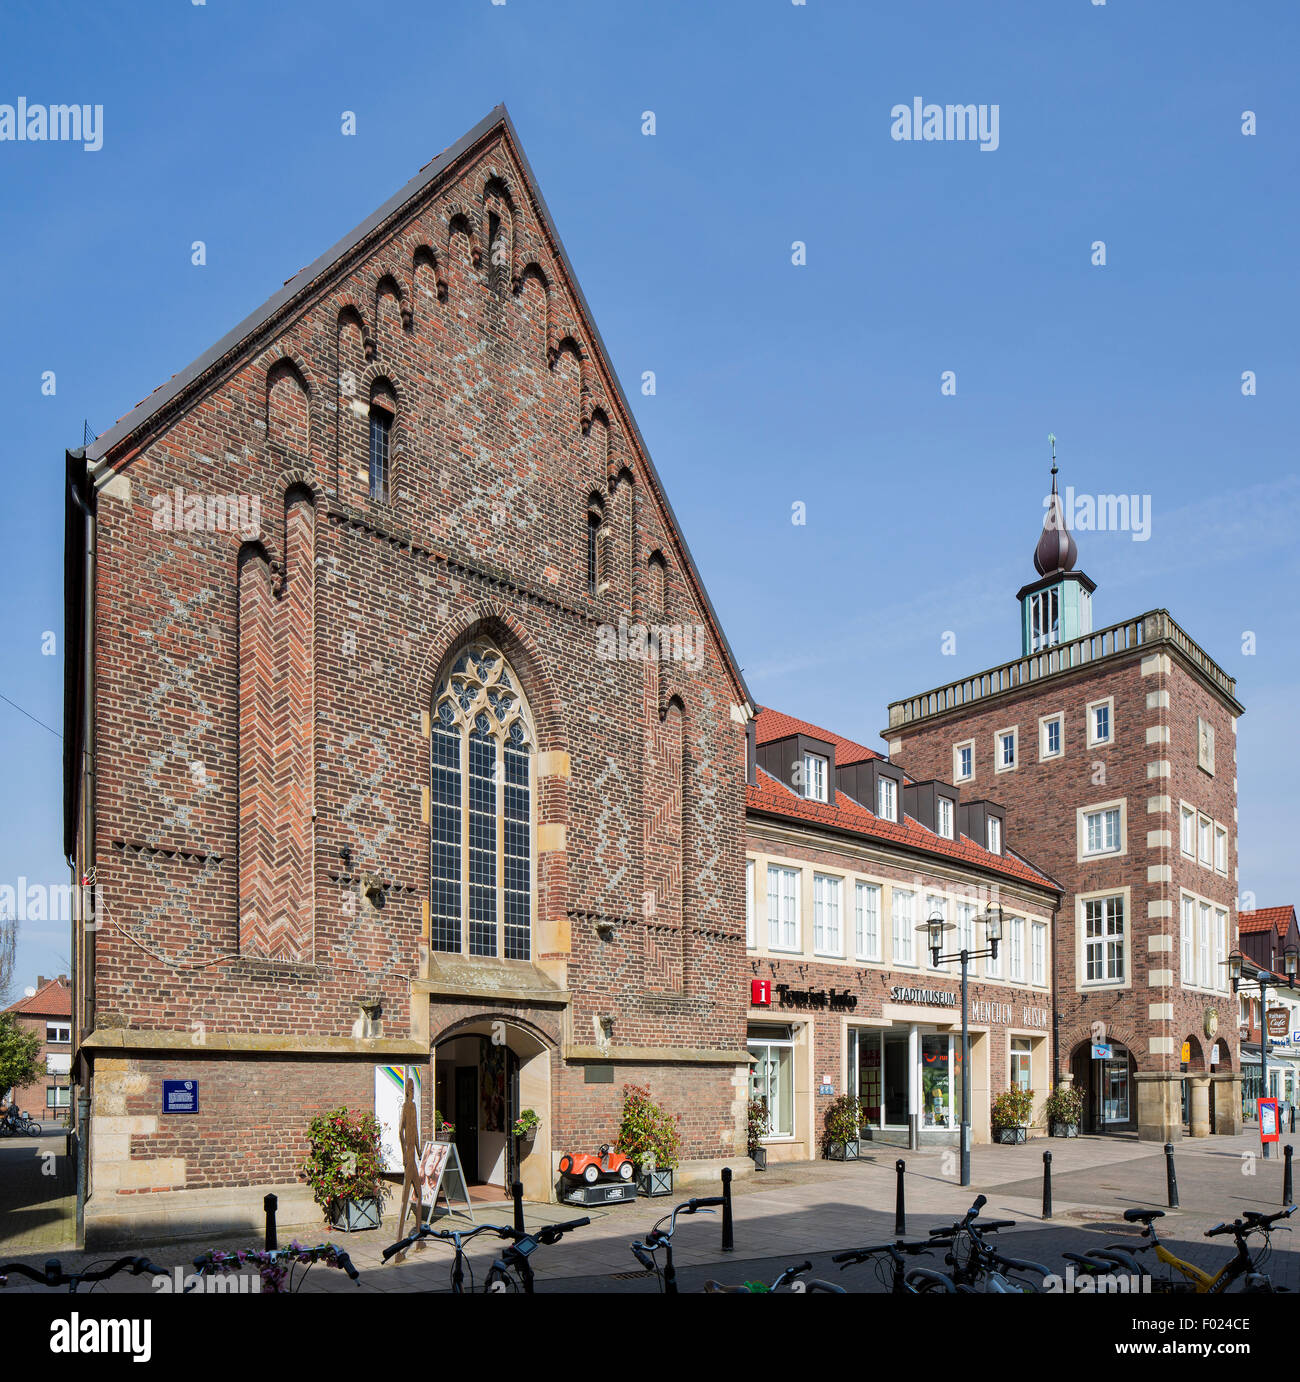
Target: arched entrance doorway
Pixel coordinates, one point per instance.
(1109, 1090)
(486, 1071)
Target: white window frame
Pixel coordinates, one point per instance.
(1018, 1055)
(993, 969)
(957, 774)
(816, 776)
(1000, 765)
(1038, 953)
(1219, 979)
(1108, 704)
(1204, 926)
(887, 794)
(1204, 840)
(751, 919)
(902, 915)
(1106, 941)
(1100, 808)
(1220, 849)
(1016, 963)
(787, 918)
(1044, 753)
(867, 944)
(828, 915)
(1187, 830)
(945, 815)
(993, 840)
(1186, 939)
(58, 1027)
(966, 913)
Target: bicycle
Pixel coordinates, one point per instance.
(18, 1124)
(790, 1279)
(53, 1274)
(644, 1250)
(511, 1271)
(977, 1266)
(275, 1266)
(889, 1263)
(1196, 1280)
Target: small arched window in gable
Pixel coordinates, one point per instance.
(658, 574)
(383, 409)
(595, 517)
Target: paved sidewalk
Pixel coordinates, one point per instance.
(37, 1195)
(812, 1209)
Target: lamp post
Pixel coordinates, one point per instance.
(1263, 978)
(935, 928)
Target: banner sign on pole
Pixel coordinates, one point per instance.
(1268, 1121)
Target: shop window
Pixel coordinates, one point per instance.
(1021, 1063)
(771, 1079)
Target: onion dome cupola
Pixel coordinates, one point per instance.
(1058, 605)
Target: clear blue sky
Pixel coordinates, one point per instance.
(777, 384)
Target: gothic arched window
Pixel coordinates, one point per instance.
(481, 821)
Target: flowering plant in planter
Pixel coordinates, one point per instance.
(843, 1120)
(344, 1161)
(442, 1130)
(1011, 1112)
(527, 1123)
(647, 1130)
(1063, 1109)
(760, 1124)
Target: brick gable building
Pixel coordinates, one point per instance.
(1114, 750)
(356, 775)
(47, 1013)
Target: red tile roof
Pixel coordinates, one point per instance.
(775, 798)
(52, 999)
(1278, 919)
(772, 725)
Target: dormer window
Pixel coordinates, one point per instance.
(944, 817)
(815, 777)
(993, 834)
(887, 799)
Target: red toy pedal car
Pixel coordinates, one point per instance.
(584, 1166)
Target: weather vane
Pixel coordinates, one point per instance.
(1051, 437)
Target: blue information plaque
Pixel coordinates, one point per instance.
(180, 1096)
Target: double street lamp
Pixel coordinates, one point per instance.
(1263, 978)
(935, 928)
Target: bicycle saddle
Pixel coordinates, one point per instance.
(1142, 1216)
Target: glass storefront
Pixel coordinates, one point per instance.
(880, 1072)
(771, 1077)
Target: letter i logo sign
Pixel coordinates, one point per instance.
(760, 992)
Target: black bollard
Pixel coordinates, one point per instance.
(1293, 1118)
(270, 1204)
(900, 1206)
(1286, 1174)
(728, 1224)
(1171, 1176)
(1047, 1185)
(517, 1194)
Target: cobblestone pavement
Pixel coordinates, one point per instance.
(37, 1195)
(809, 1210)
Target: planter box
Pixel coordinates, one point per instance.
(1065, 1130)
(759, 1155)
(355, 1215)
(842, 1151)
(1012, 1136)
(442, 1135)
(655, 1183)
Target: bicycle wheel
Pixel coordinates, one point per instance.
(925, 1282)
(498, 1282)
(33, 1129)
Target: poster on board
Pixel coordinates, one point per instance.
(390, 1094)
(440, 1173)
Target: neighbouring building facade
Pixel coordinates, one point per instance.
(1265, 935)
(846, 856)
(401, 736)
(1114, 751)
(48, 1014)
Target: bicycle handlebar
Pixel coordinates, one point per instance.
(1251, 1222)
(54, 1275)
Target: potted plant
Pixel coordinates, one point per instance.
(1063, 1109)
(759, 1125)
(442, 1131)
(343, 1169)
(1012, 1110)
(650, 1136)
(526, 1125)
(843, 1121)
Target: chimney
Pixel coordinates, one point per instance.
(63, 979)
(40, 982)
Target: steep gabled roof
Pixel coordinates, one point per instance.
(1276, 919)
(157, 409)
(52, 999)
